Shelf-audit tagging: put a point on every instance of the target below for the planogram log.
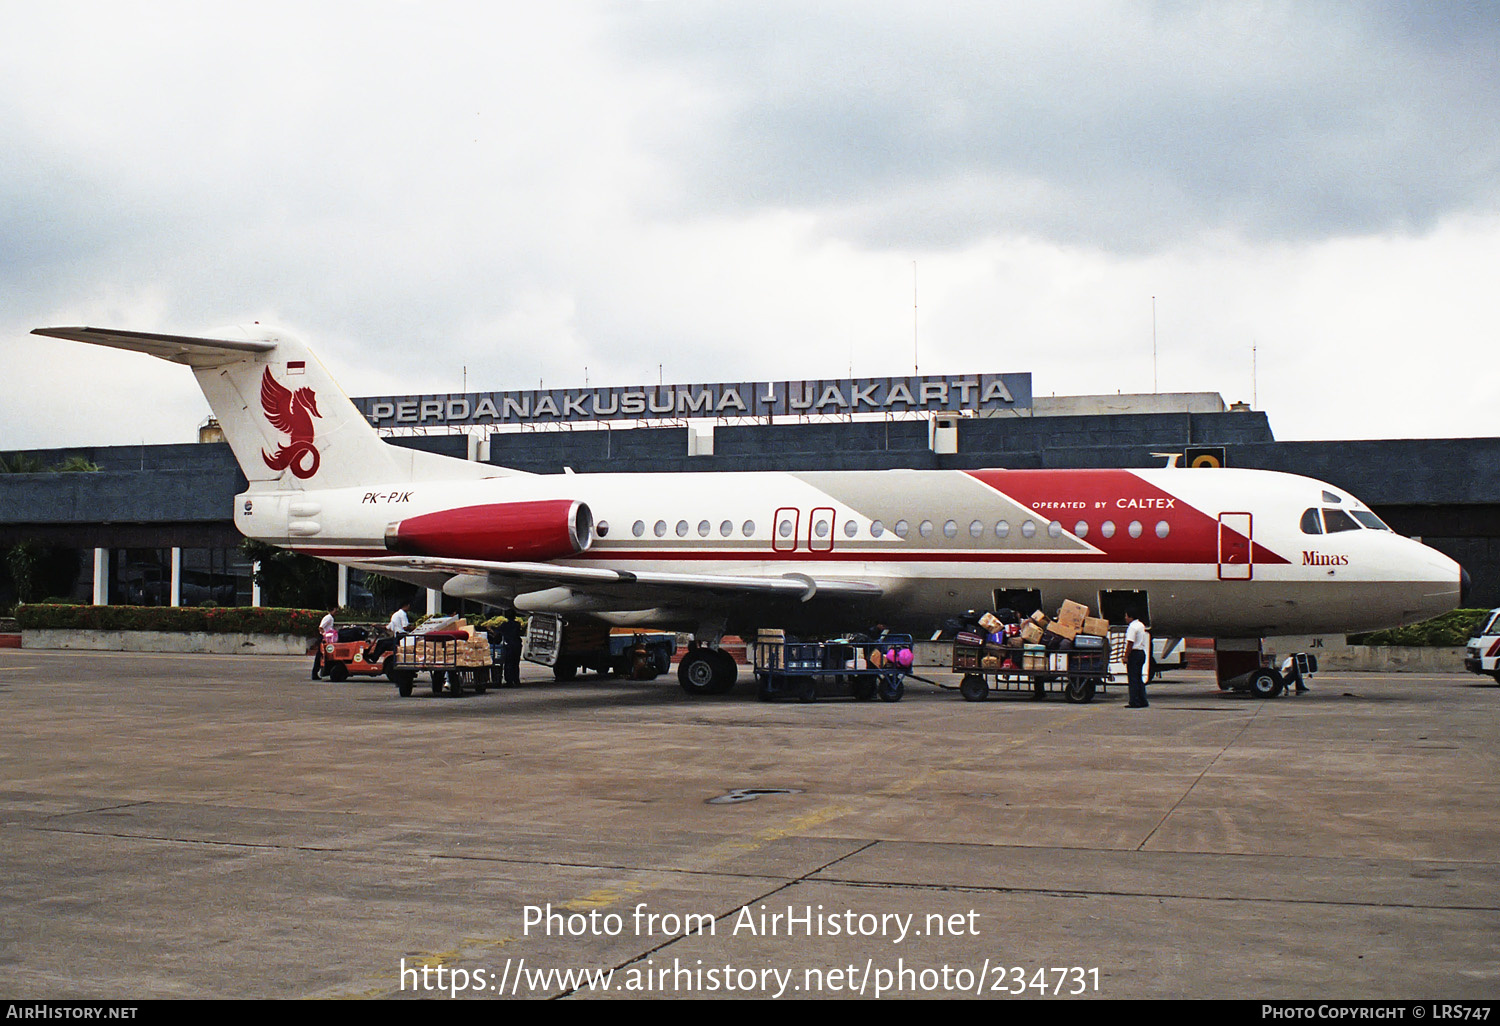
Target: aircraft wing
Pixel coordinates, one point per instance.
(632, 584)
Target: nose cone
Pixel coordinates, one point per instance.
(1434, 583)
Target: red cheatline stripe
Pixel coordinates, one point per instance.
(886, 556)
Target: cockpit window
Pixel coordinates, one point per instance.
(1335, 520)
(1330, 497)
(1310, 522)
(1369, 519)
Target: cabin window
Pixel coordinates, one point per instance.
(660, 529)
(638, 528)
(1028, 529)
(703, 528)
(902, 529)
(976, 529)
(950, 529)
(1135, 529)
(1081, 528)
(1054, 530)
(727, 528)
(682, 528)
(1002, 529)
(850, 529)
(747, 528)
(1107, 529)
(602, 527)
(1163, 528)
(821, 528)
(1336, 520)
(1310, 522)
(876, 529)
(926, 529)
(784, 529)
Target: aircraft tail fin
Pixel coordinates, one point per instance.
(287, 420)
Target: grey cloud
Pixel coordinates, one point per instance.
(1127, 126)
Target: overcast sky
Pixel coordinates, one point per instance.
(744, 191)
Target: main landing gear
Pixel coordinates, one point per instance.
(707, 671)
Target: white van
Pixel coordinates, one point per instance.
(1483, 652)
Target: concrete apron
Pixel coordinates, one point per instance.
(929, 654)
(169, 641)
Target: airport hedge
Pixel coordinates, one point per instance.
(178, 619)
(1450, 630)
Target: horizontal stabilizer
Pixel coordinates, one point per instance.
(184, 349)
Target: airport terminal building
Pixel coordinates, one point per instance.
(151, 524)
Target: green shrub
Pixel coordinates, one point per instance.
(179, 619)
(1450, 630)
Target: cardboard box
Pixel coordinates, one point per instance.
(990, 622)
(1063, 630)
(1072, 614)
(1057, 662)
(1039, 618)
(1096, 626)
(1031, 633)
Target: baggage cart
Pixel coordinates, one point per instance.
(447, 657)
(798, 669)
(1079, 672)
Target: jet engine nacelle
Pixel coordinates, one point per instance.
(501, 531)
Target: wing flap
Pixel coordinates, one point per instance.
(586, 578)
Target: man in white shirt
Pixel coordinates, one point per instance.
(400, 624)
(325, 628)
(1137, 652)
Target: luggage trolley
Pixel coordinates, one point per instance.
(437, 653)
(1079, 672)
(797, 668)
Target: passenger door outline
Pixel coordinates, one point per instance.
(814, 543)
(789, 541)
(1236, 547)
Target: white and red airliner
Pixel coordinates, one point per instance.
(1231, 554)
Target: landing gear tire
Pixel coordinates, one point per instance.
(1266, 683)
(1080, 691)
(707, 671)
(973, 688)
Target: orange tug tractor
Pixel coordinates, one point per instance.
(341, 659)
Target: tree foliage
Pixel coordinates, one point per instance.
(1450, 630)
(291, 579)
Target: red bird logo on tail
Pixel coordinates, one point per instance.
(291, 412)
